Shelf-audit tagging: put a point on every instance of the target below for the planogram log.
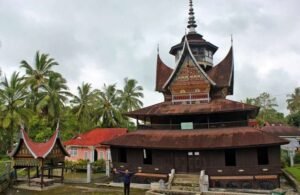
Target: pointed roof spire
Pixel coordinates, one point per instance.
(191, 23)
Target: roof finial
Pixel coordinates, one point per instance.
(57, 125)
(191, 23)
(157, 48)
(231, 40)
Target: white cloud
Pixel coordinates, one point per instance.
(105, 41)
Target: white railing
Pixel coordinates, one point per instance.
(191, 97)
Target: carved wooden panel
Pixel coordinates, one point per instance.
(56, 152)
(26, 162)
(23, 151)
(189, 79)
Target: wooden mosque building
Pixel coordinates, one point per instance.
(41, 157)
(196, 127)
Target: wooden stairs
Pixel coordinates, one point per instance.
(186, 182)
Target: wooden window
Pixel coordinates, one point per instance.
(230, 157)
(147, 157)
(101, 155)
(262, 156)
(123, 155)
(73, 152)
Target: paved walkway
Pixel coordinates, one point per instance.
(132, 185)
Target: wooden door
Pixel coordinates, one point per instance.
(180, 162)
(194, 161)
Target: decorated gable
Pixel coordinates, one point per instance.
(56, 152)
(189, 80)
(23, 151)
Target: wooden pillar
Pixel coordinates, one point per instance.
(37, 171)
(62, 172)
(137, 122)
(208, 121)
(16, 175)
(42, 178)
(28, 174)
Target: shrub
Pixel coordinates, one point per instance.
(99, 165)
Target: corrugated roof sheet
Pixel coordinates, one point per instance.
(96, 136)
(282, 130)
(222, 73)
(214, 106)
(163, 72)
(197, 139)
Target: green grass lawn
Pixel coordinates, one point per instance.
(294, 171)
(78, 190)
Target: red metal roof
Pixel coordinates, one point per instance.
(163, 72)
(236, 137)
(282, 130)
(39, 150)
(214, 106)
(95, 136)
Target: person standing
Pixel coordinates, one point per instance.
(126, 179)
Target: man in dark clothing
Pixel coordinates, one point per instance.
(126, 179)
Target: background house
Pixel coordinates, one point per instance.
(88, 145)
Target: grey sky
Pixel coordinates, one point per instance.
(106, 40)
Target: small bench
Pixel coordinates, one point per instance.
(153, 175)
(231, 177)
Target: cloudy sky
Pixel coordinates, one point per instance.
(103, 41)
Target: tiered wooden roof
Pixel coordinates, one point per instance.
(215, 106)
(197, 139)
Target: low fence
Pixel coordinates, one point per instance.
(5, 175)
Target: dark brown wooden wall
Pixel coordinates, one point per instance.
(212, 161)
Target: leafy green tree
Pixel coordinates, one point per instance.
(294, 119)
(129, 96)
(267, 112)
(84, 105)
(14, 113)
(37, 75)
(108, 112)
(293, 101)
(53, 97)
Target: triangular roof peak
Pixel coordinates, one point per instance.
(186, 50)
(163, 72)
(223, 72)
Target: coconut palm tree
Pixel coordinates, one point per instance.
(293, 101)
(37, 75)
(84, 105)
(108, 112)
(129, 96)
(13, 95)
(52, 98)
